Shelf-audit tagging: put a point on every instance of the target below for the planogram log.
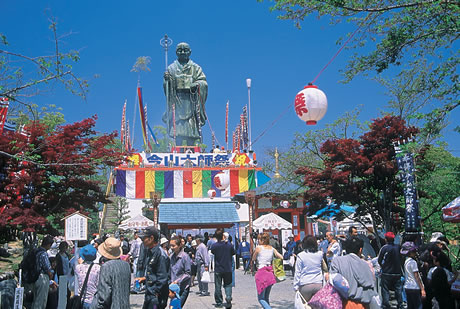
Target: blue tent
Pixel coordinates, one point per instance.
(331, 210)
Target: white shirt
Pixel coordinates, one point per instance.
(308, 269)
(265, 257)
(410, 266)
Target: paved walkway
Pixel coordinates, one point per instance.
(244, 294)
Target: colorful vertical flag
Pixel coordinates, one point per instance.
(147, 124)
(142, 115)
(127, 138)
(3, 112)
(213, 140)
(245, 132)
(123, 126)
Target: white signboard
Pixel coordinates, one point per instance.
(18, 298)
(76, 227)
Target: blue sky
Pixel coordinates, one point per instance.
(231, 40)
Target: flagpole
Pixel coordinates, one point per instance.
(226, 125)
(166, 42)
(248, 83)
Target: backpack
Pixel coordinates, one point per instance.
(30, 272)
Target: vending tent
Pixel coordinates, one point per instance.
(271, 221)
(136, 223)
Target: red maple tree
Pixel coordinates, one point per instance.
(360, 172)
(47, 175)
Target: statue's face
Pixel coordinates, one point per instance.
(183, 52)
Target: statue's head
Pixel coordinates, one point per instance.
(183, 52)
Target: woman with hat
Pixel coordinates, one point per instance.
(413, 285)
(88, 255)
(114, 277)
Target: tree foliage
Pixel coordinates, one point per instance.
(121, 207)
(305, 151)
(416, 39)
(438, 180)
(52, 173)
(360, 172)
(25, 76)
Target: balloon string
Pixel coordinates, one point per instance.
(272, 124)
(314, 80)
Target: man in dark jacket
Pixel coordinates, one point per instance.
(223, 253)
(156, 277)
(390, 263)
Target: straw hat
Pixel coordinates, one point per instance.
(110, 248)
(163, 240)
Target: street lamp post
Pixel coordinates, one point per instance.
(250, 199)
(155, 196)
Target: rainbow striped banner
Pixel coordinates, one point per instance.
(137, 183)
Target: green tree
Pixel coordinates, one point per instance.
(164, 141)
(305, 151)
(121, 207)
(49, 116)
(438, 181)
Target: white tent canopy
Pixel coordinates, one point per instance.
(136, 223)
(271, 221)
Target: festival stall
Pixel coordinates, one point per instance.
(136, 223)
(187, 175)
(271, 221)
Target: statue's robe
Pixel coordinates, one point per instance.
(190, 112)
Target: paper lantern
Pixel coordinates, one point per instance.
(222, 181)
(211, 193)
(310, 104)
(285, 204)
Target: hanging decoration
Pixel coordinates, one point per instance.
(3, 112)
(123, 126)
(142, 115)
(310, 104)
(211, 193)
(222, 181)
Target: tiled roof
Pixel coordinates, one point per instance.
(185, 213)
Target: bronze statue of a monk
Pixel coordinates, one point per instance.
(186, 91)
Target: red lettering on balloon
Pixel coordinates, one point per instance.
(300, 107)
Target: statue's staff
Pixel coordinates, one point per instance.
(166, 42)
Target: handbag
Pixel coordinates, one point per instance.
(206, 277)
(278, 270)
(326, 298)
(76, 301)
(300, 302)
(340, 284)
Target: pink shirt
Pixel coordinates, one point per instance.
(91, 288)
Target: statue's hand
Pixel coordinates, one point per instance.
(194, 86)
(167, 76)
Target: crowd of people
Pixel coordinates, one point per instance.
(420, 276)
(104, 272)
